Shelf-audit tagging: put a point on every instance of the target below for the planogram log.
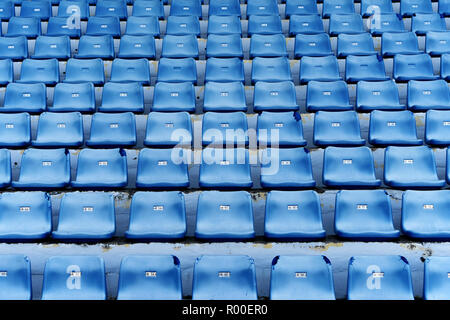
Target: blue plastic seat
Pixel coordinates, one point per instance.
(444, 7)
(130, 70)
(122, 97)
(21, 26)
(224, 216)
(74, 278)
(349, 168)
(227, 96)
(268, 46)
(425, 95)
(25, 97)
(112, 130)
(15, 48)
(345, 23)
(177, 70)
(386, 22)
(423, 23)
(413, 67)
(68, 8)
(58, 26)
(411, 168)
(6, 10)
(379, 278)
(166, 221)
(305, 24)
(52, 47)
(370, 7)
(288, 168)
(148, 8)
(137, 47)
(393, 43)
(58, 130)
(43, 169)
(224, 70)
(6, 71)
(313, 45)
(437, 42)
(101, 168)
(142, 26)
(319, 68)
(437, 127)
(224, 8)
(184, 46)
(393, 128)
(377, 95)
(5, 173)
(445, 66)
(16, 282)
(300, 7)
(262, 7)
(182, 25)
(69, 97)
(435, 278)
(337, 7)
(186, 8)
(410, 8)
(224, 128)
(174, 97)
(274, 96)
(150, 278)
(364, 215)
(15, 129)
(293, 215)
(337, 129)
(224, 25)
(264, 25)
(111, 8)
(355, 44)
(327, 96)
(271, 69)
(283, 129)
(39, 71)
(168, 129)
(224, 46)
(36, 9)
(103, 26)
(85, 70)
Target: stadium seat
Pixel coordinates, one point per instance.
(182, 25)
(227, 96)
(6, 71)
(85, 70)
(393, 43)
(25, 97)
(274, 96)
(5, 174)
(411, 167)
(142, 26)
(293, 215)
(319, 68)
(222, 129)
(224, 46)
(52, 47)
(101, 168)
(57, 130)
(177, 70)
(224, 278)
(137, 47)
(355, 44)
(413, 67)
(168, 129)
(409, 8)
(69, 8)
(288, 168)
(103, 26)
(174, 97)
(39, 71)
(301, 278)
(224, 70)
(312, 45)
(163, 169)
(337, 129)
(445, 66)
(386, 22)
(435, 279)
(370, 7)
(225, 169)
(224, 25)
(74, 278)
(224, 8)
(184, 46)
(15, 48)
(262, 8)
(271, 69)
(85, 216)
(168, 220)
(305, 24)
(224, 216)
(21, 26)
(327, 96)
(393, 128)
(345, 23)
(423, 23)
(264, 25)
(122, 97)
(437, 43)
(130, 70)
(437, 127)
(15, 130)
(148, 8)
(444, 7)
(268, 46)
(36, 9)
(57, 26)
(300, 7)
(186, 8)
(15, 283)
(150, 278)
(43, 169)
(349, 168)
(111, 8)
(283, 129)
(112, 130)
(69, 97)
(379, 278)
(6, 10)
(377, 95)
(364, 68)
(337, 7)
(364, 215)
(425, 95)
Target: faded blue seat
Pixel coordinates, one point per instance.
(377, 95)
(217, 127)
(85, 70)
(130, 70)
(319, 68)
(142, 26)
(224, 46)
(300, 7)
(355, 44)
(57, 26)
(15, 129)
(47, 47)
(177, 70)
(413, 67)
(225, 169)
(43, 169)
(186, 8)
(6, 71)
(274, 96)
(168, 129)
(224, 70)
(16, 284)
(437, 127)
(182, 25)
(224, 8)
(444, 7)
(74, 278)
(111, 8)
(411, 167)
(39, 71)
(370, 7)
(387, 22)
(409, 8)
(184, 46)
(268, 45)
(393, 128)
(293, 215)
(68, 97)
(21, 26)
(6, 10)
(271, 69)
(349, 168)
(423, 23)
(67, 8)
(262, 7)
(137, 47)
(224, 216)
(337, 129)
(163, 169)
(425, 95)
(36, 9)
(122, 97)
(5, 166)
(435, 278)
(288, 168)
(112, 130)
(337, 7)
(379, 278)
(288, 126)
(25, 97)
(224, 25)
(103, 26)
(150, 278)
(305, 24)
(364, 215)
(327, 96)
(166, 221)
(445, 66)
(364, 68)
(264, 25)
(101, 168)
(148, 8)
(312, 45)
(393, 43)
(56, 130)
(345, 23)
(174, 97)
(15, 48)
(437, 42)
(227, 96)
(301, 278)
